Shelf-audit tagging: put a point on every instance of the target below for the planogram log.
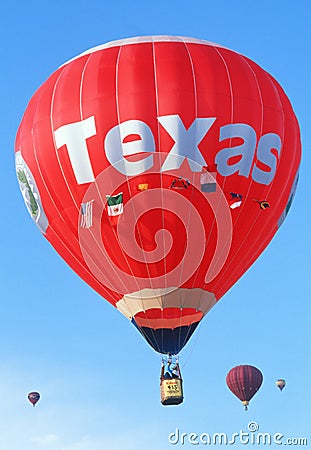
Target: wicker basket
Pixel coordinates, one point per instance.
(171, 391)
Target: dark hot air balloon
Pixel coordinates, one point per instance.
(244, 381)
(34, 397)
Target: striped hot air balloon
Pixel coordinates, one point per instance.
(244, 381)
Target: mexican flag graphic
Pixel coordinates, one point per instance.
(115, 204)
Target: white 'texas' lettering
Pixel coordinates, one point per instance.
(245, 150)
(116, 148)
(267, 142)
(74, 136)
(186, 141)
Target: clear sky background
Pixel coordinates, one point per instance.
(98, 378)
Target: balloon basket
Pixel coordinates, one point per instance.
(171, 392)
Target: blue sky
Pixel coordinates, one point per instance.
(99, 380)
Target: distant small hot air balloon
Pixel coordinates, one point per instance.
(33, 397)
(244, 381)
(281, 384)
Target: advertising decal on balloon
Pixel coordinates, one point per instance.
(159, 168)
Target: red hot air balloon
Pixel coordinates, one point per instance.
(34, 397)
(128, 157)
(244, 381)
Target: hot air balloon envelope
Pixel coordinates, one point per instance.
(139, 161)
(244, 381)
(281, 384)
(34, 397)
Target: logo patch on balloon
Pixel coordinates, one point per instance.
(30, 193)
